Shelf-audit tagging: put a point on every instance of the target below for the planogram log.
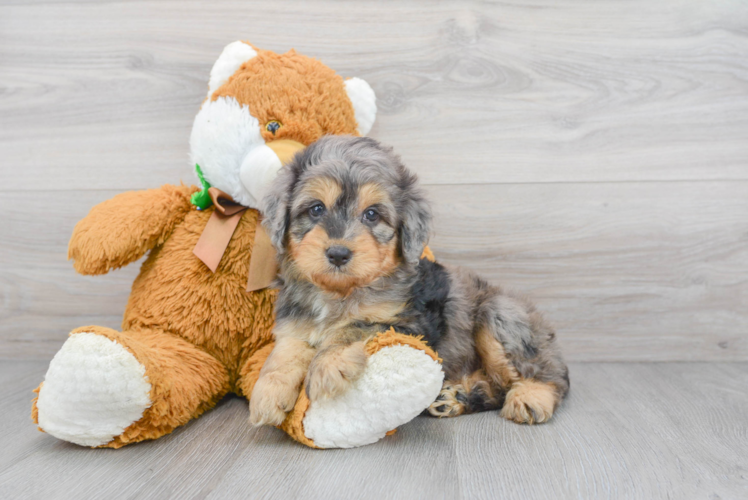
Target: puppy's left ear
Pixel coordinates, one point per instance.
(415, 228)
(275, 210)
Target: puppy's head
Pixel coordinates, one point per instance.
(345, 212)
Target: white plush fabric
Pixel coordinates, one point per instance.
(398, 384)
(364, 103)
(93, 390)
(233, 56)
(226, 140)
(223, 135)
(258, 170)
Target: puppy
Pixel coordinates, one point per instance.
(350, 225)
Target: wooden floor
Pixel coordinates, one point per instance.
(628, 431)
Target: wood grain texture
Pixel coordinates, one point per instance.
(673, 430)
(592, 154)
(43, 298)
(632, 271)
(102, 94)
(626, 271)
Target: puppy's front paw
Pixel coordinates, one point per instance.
(332, 373)
(529, 402)
(270, 401)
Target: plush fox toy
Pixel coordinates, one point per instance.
(192, 332)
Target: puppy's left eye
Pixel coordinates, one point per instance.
(371, 215)
(317, 211)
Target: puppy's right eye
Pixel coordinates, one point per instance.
(371, 215)
(317, 211)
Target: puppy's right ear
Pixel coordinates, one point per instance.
(275, 208)
(415, 227)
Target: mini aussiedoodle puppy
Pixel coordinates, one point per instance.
(350, 226)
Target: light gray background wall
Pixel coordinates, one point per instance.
(594, 156)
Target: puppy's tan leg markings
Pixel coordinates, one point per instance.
(334, 369)
(278, 386)
(271, 400)
(447, 403)
(527, 401)
(493, 356)
(530, 402)
(472, 393)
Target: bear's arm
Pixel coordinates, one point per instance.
(122, 229)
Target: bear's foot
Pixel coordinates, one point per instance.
(402, 377)
(109, 388)
(94, 389)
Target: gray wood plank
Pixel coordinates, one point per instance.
(670, 430)
(629, 431)
(626, 271)
(102, 95)
(42, 298)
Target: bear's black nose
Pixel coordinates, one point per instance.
(338, 255)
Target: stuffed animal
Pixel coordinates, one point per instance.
(199, 319)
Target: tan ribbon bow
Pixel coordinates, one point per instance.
(217, 235)
(220, 228)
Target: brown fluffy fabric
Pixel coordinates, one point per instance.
(200, 334)
(304, 95)
(193, 330)
(139, 220)
(185, 381)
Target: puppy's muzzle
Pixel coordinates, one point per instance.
(339, 255)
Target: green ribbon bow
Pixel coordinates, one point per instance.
(201, 199)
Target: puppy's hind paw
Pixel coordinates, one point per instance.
(450, 402)
(529, 402)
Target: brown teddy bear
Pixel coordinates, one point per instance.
(198, 322)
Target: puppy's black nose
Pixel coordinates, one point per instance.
(338, 255)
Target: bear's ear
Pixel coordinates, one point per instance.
(364, 103)
(233, 56)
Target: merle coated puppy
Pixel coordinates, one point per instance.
(350, 226)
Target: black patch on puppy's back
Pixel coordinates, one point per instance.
(425, 313)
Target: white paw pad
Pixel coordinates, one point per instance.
(93, 390)
(398, 384)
